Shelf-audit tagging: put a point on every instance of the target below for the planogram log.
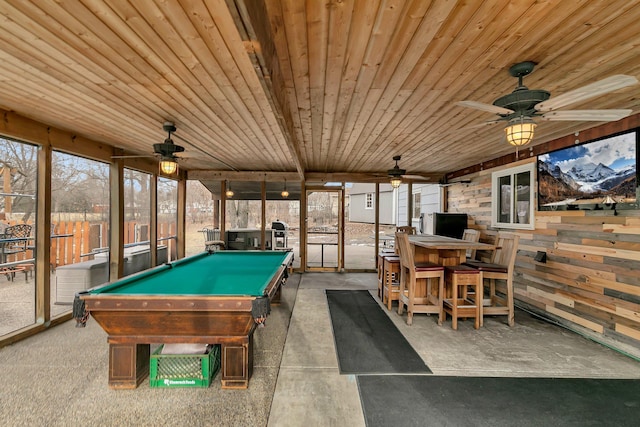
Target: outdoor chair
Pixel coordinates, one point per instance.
(212, 241)
(416, 290)
(501, 268)
(382, 277)
(462, 282)
(391, 279)
(15, 241)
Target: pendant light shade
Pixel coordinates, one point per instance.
(168, 165)
(520, 131)
(229, 192)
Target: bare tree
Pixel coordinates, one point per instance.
(239, 213)
(20, 161)
(78, 184)
(199, 203)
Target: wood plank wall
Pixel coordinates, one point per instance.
(591, 280)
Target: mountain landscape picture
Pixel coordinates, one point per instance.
(599, 172)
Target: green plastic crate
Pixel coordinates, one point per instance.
(183, 370)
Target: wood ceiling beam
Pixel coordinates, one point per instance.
(425, 178)
(253, 176)
(258, 176)
(25, 129)
(252, 20)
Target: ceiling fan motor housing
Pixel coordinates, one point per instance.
(522, 100)
(396, 172)
(167, 148)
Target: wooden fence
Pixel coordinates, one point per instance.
(74, 241)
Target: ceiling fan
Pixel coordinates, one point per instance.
(166, 151)
(396, 174)
(520, 107)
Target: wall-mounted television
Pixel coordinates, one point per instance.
(599, 174)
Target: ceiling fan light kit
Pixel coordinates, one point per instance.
(396, 173)
(229, 192)
(168, 165)
(520, 131)
(520, 107)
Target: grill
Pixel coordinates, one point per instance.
(280, 233)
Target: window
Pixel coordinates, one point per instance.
(137, 222)
(368, 201)
(513, 197)
(416, 205)
(18, 210)
(167, 206)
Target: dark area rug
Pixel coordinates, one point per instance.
(473, 401)
(366, 339)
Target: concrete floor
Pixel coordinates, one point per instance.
(311, 392)
(60, 376)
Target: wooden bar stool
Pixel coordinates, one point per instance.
(391, 288)
(499, 272)
(381, 276)
(459, 279)
(421, 284)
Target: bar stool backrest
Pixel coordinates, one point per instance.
(506, 250)
(406, 229)
(471, 235)
(404, 248)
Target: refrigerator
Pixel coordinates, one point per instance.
(445, 224)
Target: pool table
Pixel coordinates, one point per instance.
(212, 298)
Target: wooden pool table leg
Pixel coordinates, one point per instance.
(277, 296)
(128, 364)
(237, 362)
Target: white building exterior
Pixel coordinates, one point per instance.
(393, 203)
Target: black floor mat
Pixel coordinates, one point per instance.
(429, 400)
(366, 339)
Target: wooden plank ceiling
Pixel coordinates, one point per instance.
(322, 89)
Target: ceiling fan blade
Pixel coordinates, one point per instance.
(490, 108)
(587, 115)
(132, 156)
(592, 90)
(416, 177)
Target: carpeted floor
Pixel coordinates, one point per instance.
(367, 341)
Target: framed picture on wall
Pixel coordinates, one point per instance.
(599, 174)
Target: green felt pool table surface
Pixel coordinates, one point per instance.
(221, 273)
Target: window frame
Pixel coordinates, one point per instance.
(495, 196)
(416, 207)
(368, 201)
